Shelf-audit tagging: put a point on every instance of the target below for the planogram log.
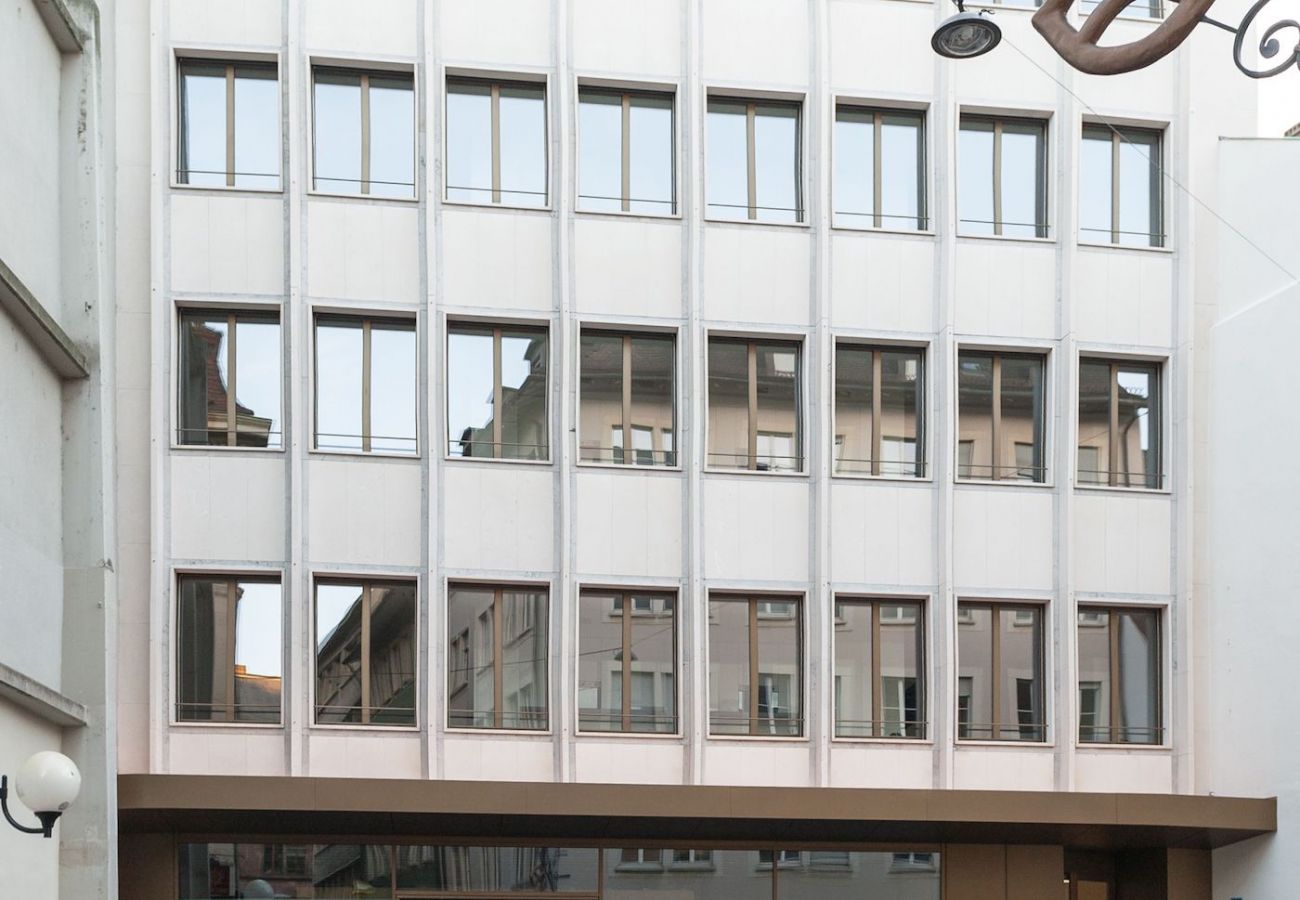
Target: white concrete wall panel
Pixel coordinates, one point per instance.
(499, 518)
(882, 533)
(757, 275)
(757, 763)
(489, 758)
(1003, 539)
(1011, 80)
(774, 48)
(1131, 771)
(866, 55)
(495, 32)
(1006, 288)
(221, 751)
(33, 863)
(1122, 542)
(883, 282)
(629, 525)
(1125, 297)
(245, 23)
(496, 260)
(756, 528)
(343, 754)
(364, 511)
(627, 267)
(222, 244)
(627, 36)
(629, 762)
(384, 29)
(212, 504)
(1003, 769)
(882, 765)
(363, 251)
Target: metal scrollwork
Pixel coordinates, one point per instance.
(1269, 45)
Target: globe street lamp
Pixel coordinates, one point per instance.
(47, 784)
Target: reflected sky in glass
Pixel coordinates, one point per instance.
(258, 629)
(393, 384)
(523, 145)
(469, 142)
(203, 129)
(337, 144)
(469, 388)
(600, 153)
(975, 177)
(392, 136)
(651, 155)
(338, 385)
(776, 163)
(257, 363)
(727, 169)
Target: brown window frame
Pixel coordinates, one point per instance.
(1115, 477)
(364, 76)
(366, 323)
(996, 727)
(877, 695)
(1118, 135)
(877, 214)
(752, 344)
(628, 614)
(670, 457)
(1042, 205)
(186, 314)
(232, 68)
(494, 86)
(753, 602)
(751, 157)
(625, 149)
(497, 329)
(1115, 730)
(877, 406)
(498, 656)
(996, 467)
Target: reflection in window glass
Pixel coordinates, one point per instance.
(626, 400)
(209, 871)
(1119, 676)
(1002, 177)
(627, 662)
(228, 650)
(850, 875)
(497, 657)
(363, 132)
(1119, 424)
(878, 403)
(755, 666)
(496, 142)
(230, 391)
(209, 91)
(689, 875)
(898, 168)
(1000, 416)
(466, 870)
(754, 405)
(497, 392)
(1000, 672)
(754, 170)
(879, 694)
(365, 384)
(365, 653)
(625, 152)
(1120, 194)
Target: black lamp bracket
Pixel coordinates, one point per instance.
(48, 819)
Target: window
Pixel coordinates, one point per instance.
(1120, 197)
(627, 398)
(782, 858)
(228, 649)
(1119, 676)
(754, 168)
(363, 132)
(912, 862)
(1000, 672)
(627, 661)
(365, 384)
(1002, 177)
(755, 668)
(879, 403)
(229, 122)
(879, 666)
(1119, 423)
(1000, 416)
(626, 157)
(497, 662)
(754, 393)
(701, 860)
(880, 168)
(365, 652)
(496, 392)
(639, 860)
(496, 142)
(230, 379)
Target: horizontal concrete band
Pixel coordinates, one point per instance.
(598, 813)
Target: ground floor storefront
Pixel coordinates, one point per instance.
(201, 837)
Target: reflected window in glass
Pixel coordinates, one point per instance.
(627, 662)
(497, 657)
(627, 393)
(1000, 672)
(497, 392)
(755, 666)
(1119, 676)
(755, 405)
(1119, 438)
(1000, 416)
(230, 379)
(365, 653)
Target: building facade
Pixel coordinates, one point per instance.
(721, 429)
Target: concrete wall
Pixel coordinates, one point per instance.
(34, 862)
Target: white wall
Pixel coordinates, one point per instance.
(32, 862)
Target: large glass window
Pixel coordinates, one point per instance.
(1000, 415)
(230, 379)
(497, 391)
(363, 132)
(1000, 672)
(497, 657)
(754, 405)
(229, 124)
(365, 652)
(879, 668)
(1119, 676)
(755, 665)
(832, 874)
(219, 870)
(1002, 177)
(627, 398)
(496, 142)
(880, 168)
(879, 404)
(754, 169)
(1120, 196)
(627, 661)
(228, 649)
(366, 384)
(626, 159)
(1119, 423)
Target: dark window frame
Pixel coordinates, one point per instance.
(264, 315)
(920, 726)
(754, 719)
(1042, 187)
(182, 171)
(363, 75)
(627, 97)
(1116, 732)
(1039, 468)
(998, 726)
(880, 219)
(366, 322)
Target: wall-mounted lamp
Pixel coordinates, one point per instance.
(47, 784)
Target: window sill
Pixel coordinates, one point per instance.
(754, 473)
(225, 189)
(984, 743)
(1099, 245)
(793, 226)
(897, 479)
(1110, 748)
(629, 735)
(406, 730)
(375, 198)
(894, 742)
(623, 467)
(925, 233)
(496, 732)
(361, 454)
(1006, 483)
(1117, 489)
(219, 450)
(620, 214)
(470, 204)
(492, 461)
(758, 738)
(1007, 239)
(225, 726)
